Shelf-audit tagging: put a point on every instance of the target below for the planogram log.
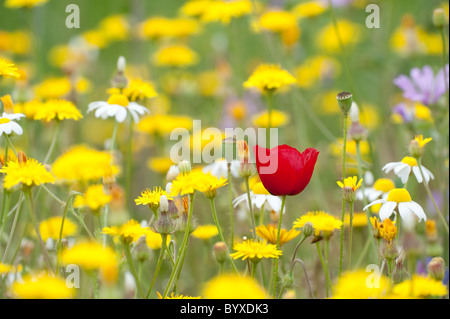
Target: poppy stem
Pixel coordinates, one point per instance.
(350, 237)
(275, 264)
(344, 153)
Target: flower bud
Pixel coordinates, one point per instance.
(354, 112)
(220, 252)
(345, 101)
(439, 18)
(121, 64)
(349, 194)
(184, 167)
(357, 132)
(163, 203)
(436, 268)
(119, 80)
(308, 229)
(21, 157)
(172, 173)
(288, 280)
(414, 149)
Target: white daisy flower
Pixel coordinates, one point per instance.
(380, 188)
(117, 106)
(219, 168)
(8, 124)
(407, 208)
(403, 170)
(259, 197)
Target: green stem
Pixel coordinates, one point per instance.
(325, 270)
(53, 142)
(250, 207)
(10, 144)
(350, 237)
(133, 269)
(275, 263)
(178, 263)
(216, 221)
(13, 227)
(129, 163)
(29, 200)
(58, 248)
(114, 136)
(254, 268)
(344, 153)
(261, 215)
(269, 116)
(230, 199)
(158, 265)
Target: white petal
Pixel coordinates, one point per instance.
(386, 210)
(13, 116)
(121, 115)
(417, 174)
(404, 173)
(428, 175)
(378, 201)
(407, 215)
(16, 128)
(134, 115)
(417, 209)
(259, 200)
(389, 167)
(240, 199)
(275, 202)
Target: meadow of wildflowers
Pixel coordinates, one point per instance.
(224, 149)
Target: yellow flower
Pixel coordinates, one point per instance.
(114, 28)
(173, 296)
(349, 33)
(163, 124)
(309, 9)
(42, 287)
(29, 108)
(93, 256)
(6, 269)
(269, 233)
(210, 183)
(233, 287)
(323, 223)
(359, 219)
(160, 164)
(96, 38)
(421, 112)
(24, 3)
(386, 229)
(277, 119)
(81, 163)
(187, 183)
(269, 77)
(53, 88)
(160, 27)
(94, 198)
(51, 227)
(421, 141)
(16, 42)
(315, 69)
(205, 232)
(194, 8)
(7, 103)
(138, 90)
(130, 232)
(154, 240)
(224, 11)
(277, 21)
(28, 173)
(152, 197)
(59, 110)
(8, 69)
(361, 285)
(175, 55)
(255, 250)
(351, 182)
(420, 287)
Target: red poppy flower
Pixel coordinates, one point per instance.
(283, 169)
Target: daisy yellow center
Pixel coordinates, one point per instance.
(411, 161)
(259, 189)
(118, 99)
(384, 185)
(399, 195)
(4, 120)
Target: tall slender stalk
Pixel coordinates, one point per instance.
(126, 248)
(275, 263)
(350, 234)
(269, 116)
(53, 142)
(325, 269)
(250, 207)
(344, 153)
(158, 264)
(230, 199)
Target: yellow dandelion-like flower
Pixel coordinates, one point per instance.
(175, 55)
(81, 163)
(162, 27)
(28, 173)
(152, 197)
(277, 119)
(57, 110)
(8, 69)
(210, 183)
(421, 141)
(174, 296)
(361, 285)
(255, 250)
(420, 287)
(51, 227)
(386, 229)
(322, 222)
(186, 184)
(53, 88)
(205, 232)
(349, 33)
(224, 11)
(359, 220)
(6, 269)
(315, 69)
(160, 164)
(93, 256)
(164, 124)
(421, 112)
(94, 198)
(269, 78)
(24, 3)
(277, 21)
(309, 9)
(233, 287)
(269, 233)
(350, 182)
(194, 8)
(114, 28)
(138, 90)
(130, 232)
(8, 105)
(42, 287)
(154, 240)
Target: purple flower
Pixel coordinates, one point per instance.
(423, 86)
(406, 112)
